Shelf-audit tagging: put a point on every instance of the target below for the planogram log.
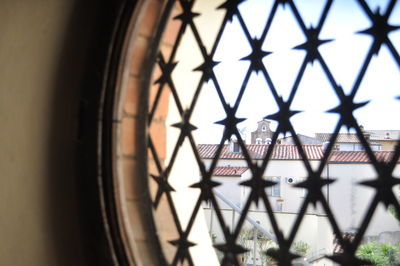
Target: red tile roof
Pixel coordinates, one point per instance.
(229, 171)
(281, 152)
(290, 152)
(359, 156)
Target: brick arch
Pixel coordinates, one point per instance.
(139, 232)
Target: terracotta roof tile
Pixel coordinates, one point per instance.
(359, 156)
(281, 152)
(229, 171)
(290, 152)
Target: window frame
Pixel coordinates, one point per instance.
(276, 190)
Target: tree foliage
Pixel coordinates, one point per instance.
(301, 247)
(381, 254)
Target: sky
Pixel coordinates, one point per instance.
(344, 57)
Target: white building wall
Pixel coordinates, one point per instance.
(314, 230)
(349, 200)
(230, 187)
(291, 197)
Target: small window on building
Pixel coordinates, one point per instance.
(274, 191)
(258, 141)
(236, 147)
(264, 128)
(268, 141)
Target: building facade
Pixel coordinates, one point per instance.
(347, 198)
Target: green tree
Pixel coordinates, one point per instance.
(381, 254)
(301, 247)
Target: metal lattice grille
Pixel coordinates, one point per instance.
(379, 31)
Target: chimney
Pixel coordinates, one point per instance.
(234, 145)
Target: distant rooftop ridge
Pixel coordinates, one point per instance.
(291, 152)
(373, 135)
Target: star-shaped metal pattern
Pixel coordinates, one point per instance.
(345, 109)
(206, 185)
(230, 122)
(314, 185)
(166, 69)
(183, 246)
(207, 67)
(384, 184)
(163, 187)
(230, 249)
(312, 44)
(231, 7)
(257, 54)
(379, 30)
(282, 255)
(185, 126)
(187, 15)
(257, 185)
(283, 116)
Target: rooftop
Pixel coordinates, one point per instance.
(290, 152)
(229, 171)
(257, 151)
(341, 138)
(374, 135)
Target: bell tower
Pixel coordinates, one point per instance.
(263, 133)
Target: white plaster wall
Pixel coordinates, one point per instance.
(231, 189)
(292, 197)
(314, 229)
(349, 201)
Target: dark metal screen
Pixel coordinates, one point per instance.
(379, 30)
